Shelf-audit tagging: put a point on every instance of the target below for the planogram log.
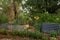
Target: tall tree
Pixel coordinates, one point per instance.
(42, 5)
(10, 7)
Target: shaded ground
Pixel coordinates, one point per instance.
(11, 37)
(18, 39)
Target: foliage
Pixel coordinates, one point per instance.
(23, 33)
(4, 32)
(37, 35)
(53, 38)
(3, 18)
(53, 34)
(35, 8)
(39, 6)
(28, 34)
(31, 34)
(37, 26)
(23, 18)
(44, 38)
(46, 17)
(15, 32)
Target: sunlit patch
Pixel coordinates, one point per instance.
(36, 17)
(57, 18)
(58, 3)
(23, 2)
(0, 8)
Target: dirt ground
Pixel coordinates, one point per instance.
(11, 37)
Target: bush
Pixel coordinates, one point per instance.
(35, 34)
(3, 18)
(23, 33)
(53, 34)
(0, 31)
(44, 38)
(37, 26)
(15, 32)
(53, 38)
(22, 19)
(30, 34)
(5, 32)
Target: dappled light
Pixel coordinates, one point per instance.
(29, 19)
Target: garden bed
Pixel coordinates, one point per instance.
(11, 37)
(19, 35)
(27, 35)
(15, 36)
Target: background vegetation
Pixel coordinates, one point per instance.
(32, 12)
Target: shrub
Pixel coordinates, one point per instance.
(36, 35)
(0, 31)
(15, 32)
(44, 38)
(22, 19)
(53, 38)
(53, 34)
(22, 33)
(37, 26)
(3, 18)
(30, 34)
(5, 32)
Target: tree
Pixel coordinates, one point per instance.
(39, 6)
(51, 6)
(10, 7)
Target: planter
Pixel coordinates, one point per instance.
(49, 27)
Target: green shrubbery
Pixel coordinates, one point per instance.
(47, 18)
(35, 35)
(30, 34)
(14, 32)
(4, 32)
(23, 18)
(53, 38)
(53, 34)
(24, 33)
(3, 18)
(44, 38)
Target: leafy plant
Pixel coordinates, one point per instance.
(30, 34)
(44, 38)
(23, 33)
(53, 34)
(15, 32)
(5, 32)
(3, 18)
(37, 26)
(53, 38)
(36, 35)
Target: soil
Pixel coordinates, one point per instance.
(11, 37)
